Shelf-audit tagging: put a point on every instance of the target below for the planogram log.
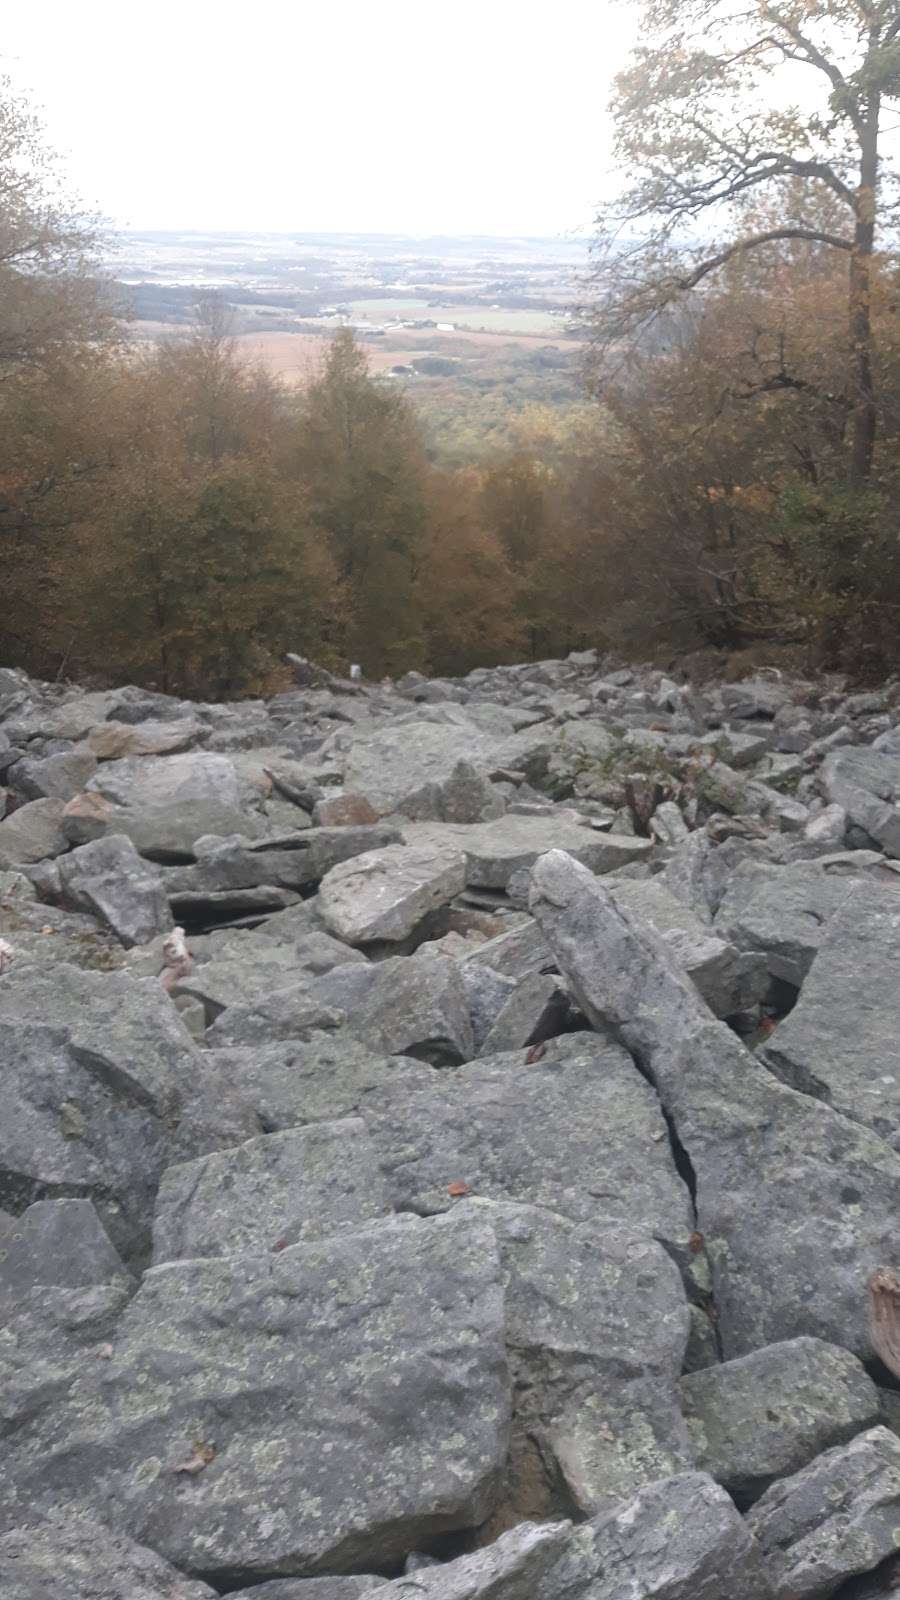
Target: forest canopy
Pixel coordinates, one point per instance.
(172, 515)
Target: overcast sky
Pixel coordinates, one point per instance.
(359, 115)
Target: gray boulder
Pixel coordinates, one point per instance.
(837, 1518)
(784, 912)
(386, 894)
(347, 1401)
(537, 1009)
(109, 879)
(609, 1421)
(840, 1041)
(767, 1414)
(54, 777)
(578, 1131)
(292, 1012)
(729, 980)
(33, 833)
(290, 1084)
(400, 767)
(348, 1587)
(77, 1557)
(866, 783)
(274, 1191)
(57, 1242)
(168, 802)
(796, 1204)
(416, 1006)
(113, 741)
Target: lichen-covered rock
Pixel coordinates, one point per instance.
(76, 1556)
(348, 1400)
(32, 833)
(60, 1242)
(277, 1190)
(386, 894)
(839, 1517)
(110, 879)
(796, 1205)
(767, 1414)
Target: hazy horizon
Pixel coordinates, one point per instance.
(186, 118)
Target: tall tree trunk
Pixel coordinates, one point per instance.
(862, 380)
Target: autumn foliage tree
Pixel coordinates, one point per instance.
(728, 104)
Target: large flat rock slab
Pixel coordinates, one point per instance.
(350, 1399)
(277, 1190)
(578, 1131)
(386, 894)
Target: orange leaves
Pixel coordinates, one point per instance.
(201, 1455)
(458, 1189)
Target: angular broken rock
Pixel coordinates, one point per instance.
(536, 1010)
(840, 1041)
(416, 1006)
(729, 980)
(385, 894)
(275, 1191)
(111, 741)
(355, 1393)
(33, 833)
(57, 1242)
(796, 1204)
(77, 1557)
(86, 816)
(678, 1539)
(168, 802)
(499, 1124)
(288, 1084)
(866, 783)
(768, 1413)
(54, 777)
(784, 912)
(110, 879)
(837, 1518)
(609, 1421)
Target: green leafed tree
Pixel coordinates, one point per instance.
(743, 125)
(360, 460)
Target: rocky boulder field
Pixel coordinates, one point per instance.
(451, 1139)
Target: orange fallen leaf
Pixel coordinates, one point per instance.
(457, 1189)
(202, 1454)
(696, 1243)
(280, 1244)
(535, 1053)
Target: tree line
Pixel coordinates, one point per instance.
(171, 515)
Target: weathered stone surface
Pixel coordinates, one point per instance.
(839, 1517)
(499, 1125)
(416, 1006)
(57, 1242)
(487, 992)
(497, 850)
(113, 741)
(32, 833)
(278, 1190)
(514, 954)
(767, 1414)
(342, 811)
(840, 1041)
(385, 894)
(110, 879)
(292, 1012)
(729, 980)
(796, 1204)
(537, 1009)
(291, 1084)
(609, 1421)
(867, 784)
(348, 1587)
(54, 777)
(244, 975)
(86, 816)
(355, 1394)
(168, 802)
(92, 1091)
(784, 912)
(398, 768)
(75, 1557)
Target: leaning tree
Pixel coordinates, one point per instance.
(735, 109)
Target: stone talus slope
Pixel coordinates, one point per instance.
(450, 1128)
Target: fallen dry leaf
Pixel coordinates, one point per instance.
(202, 1454)
(105, 1352)
(535, 1053)
(457, 1189)
(696, 1243)
(280, 1244)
